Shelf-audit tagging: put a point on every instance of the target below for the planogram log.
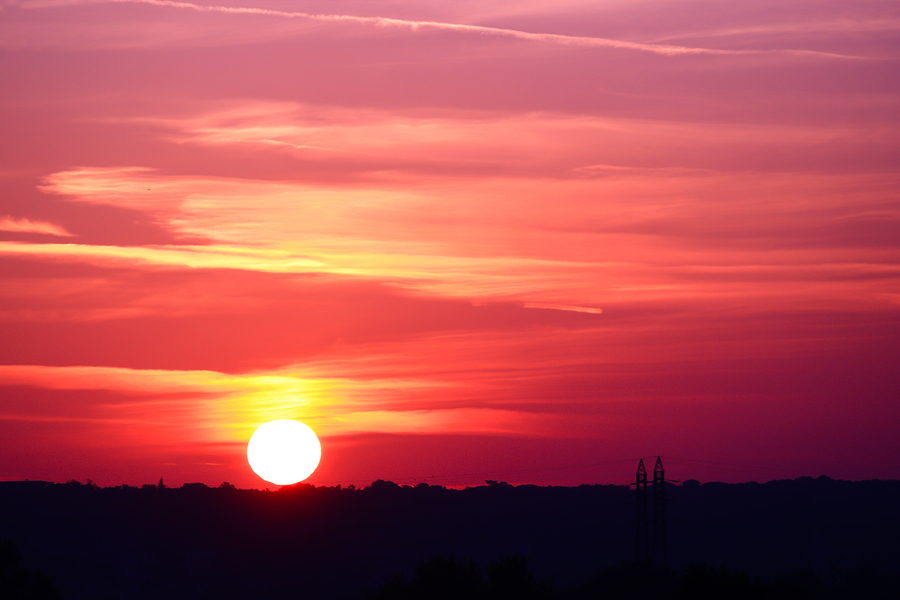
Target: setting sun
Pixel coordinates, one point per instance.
(284, 451)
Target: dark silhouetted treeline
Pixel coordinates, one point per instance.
(17, 582)
(509, 578)
(530, 541)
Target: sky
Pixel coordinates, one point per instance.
(462, 240)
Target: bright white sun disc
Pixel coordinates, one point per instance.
(284, 451)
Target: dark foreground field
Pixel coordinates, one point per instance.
(790, 538)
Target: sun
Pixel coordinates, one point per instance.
(284, 451)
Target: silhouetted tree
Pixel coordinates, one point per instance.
(441, 578)
(859, 582)
(509, 578)
(631, 581)
(447, 578)
(799, 584)
(19, 583)
(702, 582)
(393, 588)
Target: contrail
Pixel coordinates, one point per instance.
(569, 40)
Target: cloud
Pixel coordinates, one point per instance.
(836, 25)
(582, 309)
(210, 257)
(23, 225)
(624, 231)
(416, 25)
(361, 143)
(224, 408)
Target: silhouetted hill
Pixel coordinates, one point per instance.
(328, 542)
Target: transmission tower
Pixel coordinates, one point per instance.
(660, 551)
(641, 532)
(656, 555)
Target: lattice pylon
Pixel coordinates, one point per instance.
(659, 555)
(641, 532)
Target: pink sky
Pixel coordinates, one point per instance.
(530, 241)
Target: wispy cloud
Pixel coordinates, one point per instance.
(569, 307)
(832, 26)
(228, 407)
(414, 25)
(354, 143)
(509, 238)
(212, 257)
(23, 225)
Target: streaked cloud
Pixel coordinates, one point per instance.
(14, 225)
(420, 25)
(227, 408)
(397, 229)
(216, 257)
